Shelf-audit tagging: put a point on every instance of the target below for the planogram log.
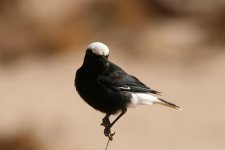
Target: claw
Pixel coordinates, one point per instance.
(111, 136)
(108, 133)
(105, 122)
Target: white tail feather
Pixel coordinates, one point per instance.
(142, 99)
(147, 99)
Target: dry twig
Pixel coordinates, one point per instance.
(107, 145)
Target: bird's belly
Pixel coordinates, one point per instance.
(104, 100)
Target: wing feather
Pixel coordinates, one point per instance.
(119, 80)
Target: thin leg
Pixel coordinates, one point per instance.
(122, 113)
(107, 130)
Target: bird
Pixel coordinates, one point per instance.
(109, 89)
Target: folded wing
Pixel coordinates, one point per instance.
(120, 81)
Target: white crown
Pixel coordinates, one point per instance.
(99, 48)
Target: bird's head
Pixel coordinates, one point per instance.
(96, 56)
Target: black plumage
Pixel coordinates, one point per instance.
(106, 87)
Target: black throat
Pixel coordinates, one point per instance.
(96, 64)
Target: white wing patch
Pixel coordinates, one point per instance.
(125, 88)
(142, 99)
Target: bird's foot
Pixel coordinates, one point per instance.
(107, 132)
(105, 122)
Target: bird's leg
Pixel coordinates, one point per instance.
(107, 130)
(106, 121)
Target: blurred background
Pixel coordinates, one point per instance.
(174, 46)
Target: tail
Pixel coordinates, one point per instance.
(155, 92)
(164, 102)
(147, 99)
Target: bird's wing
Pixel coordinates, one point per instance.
(120, 81)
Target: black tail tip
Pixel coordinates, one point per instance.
(155, 92)
(171, 104)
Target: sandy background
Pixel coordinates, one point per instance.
(179, 53)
